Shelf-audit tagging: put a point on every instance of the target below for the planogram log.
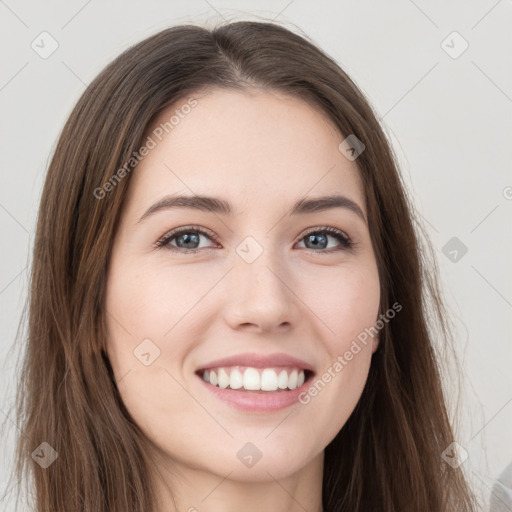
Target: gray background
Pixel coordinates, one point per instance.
(448, 116)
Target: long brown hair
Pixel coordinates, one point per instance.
(387, 457)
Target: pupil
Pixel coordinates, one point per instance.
(187, 238)
(313, 239)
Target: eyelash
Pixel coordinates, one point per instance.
(346, 242)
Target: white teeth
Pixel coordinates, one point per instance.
(252, 380)
(292, 379)
(236, 379)
(282, 381)
(268, 380)
(223, 379)
(300, 379)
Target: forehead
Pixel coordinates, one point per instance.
(257, 148)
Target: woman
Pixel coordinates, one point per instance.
(229, 303)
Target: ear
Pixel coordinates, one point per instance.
(375, 344)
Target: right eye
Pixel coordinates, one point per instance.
(187, 239)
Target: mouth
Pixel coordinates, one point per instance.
(256, 380)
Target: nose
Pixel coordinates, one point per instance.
(260, 296)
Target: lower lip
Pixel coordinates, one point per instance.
(259, 402)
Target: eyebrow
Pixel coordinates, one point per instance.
(220, 206)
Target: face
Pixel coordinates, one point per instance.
(258, 281)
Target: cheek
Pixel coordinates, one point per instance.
(345, 300)
(155, 315)
(144, 316)
(147, 301)
(139, 312)
(347, 304)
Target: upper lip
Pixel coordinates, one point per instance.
(259, 361)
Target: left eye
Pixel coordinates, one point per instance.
(188, 239)
(319, 238)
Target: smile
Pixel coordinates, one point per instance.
(255, 379)
(256, 390)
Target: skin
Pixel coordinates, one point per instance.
(261, 151)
